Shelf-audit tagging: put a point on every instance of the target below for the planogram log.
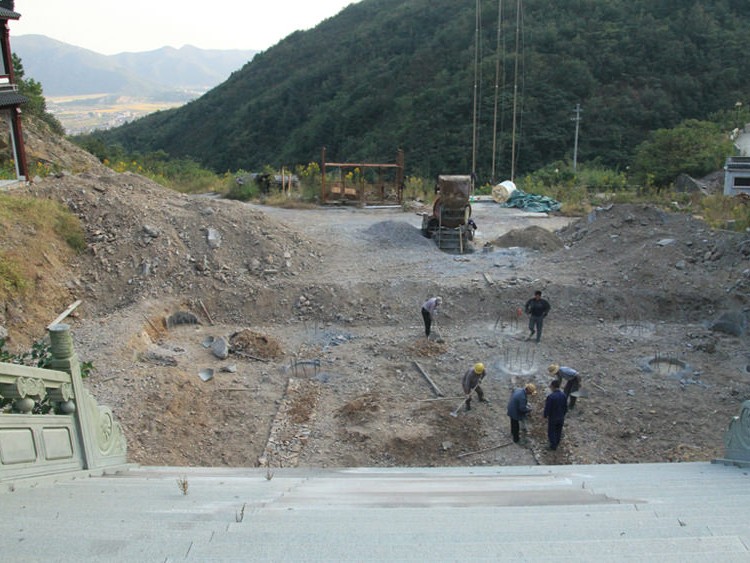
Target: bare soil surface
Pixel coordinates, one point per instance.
(326, 359)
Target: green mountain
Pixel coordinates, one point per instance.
(388, 74)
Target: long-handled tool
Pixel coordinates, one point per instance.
(454, 414)
(437, 331)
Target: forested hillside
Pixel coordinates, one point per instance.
(385, 74)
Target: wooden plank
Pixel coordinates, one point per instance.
(64, 314)
(429, 380)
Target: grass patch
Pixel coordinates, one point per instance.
(726, 212)
(29, 228)
(68, 227)
(41, 215)
(12, 279)
(294, 201)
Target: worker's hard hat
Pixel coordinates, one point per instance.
(479, 368)
(553, 369)
(530, 389)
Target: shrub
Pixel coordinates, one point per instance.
(243, 192)
(726, 212)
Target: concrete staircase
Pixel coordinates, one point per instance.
(648, 512)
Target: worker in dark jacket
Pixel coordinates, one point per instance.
(470, 382)
(519, 409)
(555, 407)
(537, 309)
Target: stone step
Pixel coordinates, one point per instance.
(159, 546)
(382, 519)
(313, 532)
(343, 548)
(289, 542)
(670, 512)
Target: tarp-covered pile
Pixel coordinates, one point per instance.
(531, 202)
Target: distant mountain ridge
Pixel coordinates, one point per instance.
(67, 70)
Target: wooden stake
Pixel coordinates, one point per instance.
(485, 449)
(156, 330)
(210, 320)
(246, 355)
(435, 388)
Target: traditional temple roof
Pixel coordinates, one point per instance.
(11, 98)
(6, 14)
(7, 10)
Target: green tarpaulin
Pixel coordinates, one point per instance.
(531, 202)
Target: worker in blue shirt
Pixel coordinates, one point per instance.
(572, 381)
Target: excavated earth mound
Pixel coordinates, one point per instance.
(534, 238)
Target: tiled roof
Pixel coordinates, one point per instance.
(6, 14)
(11, 98)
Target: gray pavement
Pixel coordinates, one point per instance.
(670, 512)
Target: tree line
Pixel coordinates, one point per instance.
(388, 74)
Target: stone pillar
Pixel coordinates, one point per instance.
(101, 437)
(64, 358)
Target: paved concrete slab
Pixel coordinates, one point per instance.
(665, 512)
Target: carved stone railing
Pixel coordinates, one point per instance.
(75, 433)
(737, 439)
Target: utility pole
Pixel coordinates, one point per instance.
(515, 95)
(474, 134)
(577, 119)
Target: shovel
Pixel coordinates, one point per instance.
(439, 338)
(454, 414)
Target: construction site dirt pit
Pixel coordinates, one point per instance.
(360, 318)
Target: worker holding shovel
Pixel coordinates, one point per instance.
(470, 382)
(519, 410)
(429, 311)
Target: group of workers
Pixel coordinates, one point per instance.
(558, 402)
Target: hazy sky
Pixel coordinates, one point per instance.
(115, 26)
